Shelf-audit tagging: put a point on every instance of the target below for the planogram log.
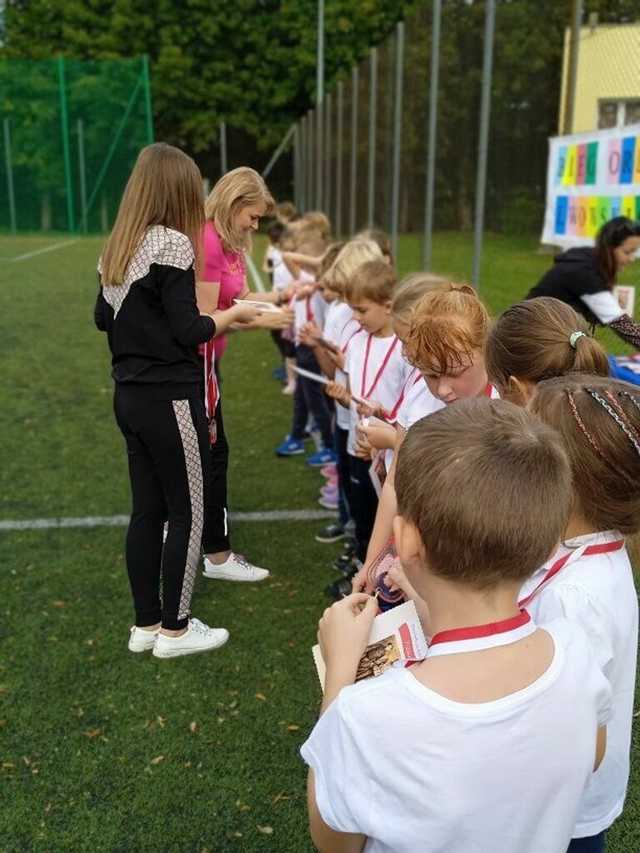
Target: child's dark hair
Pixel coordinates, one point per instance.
(488, 487)
(539, 339)
(599, 422)
(612, 235)
(275, 231)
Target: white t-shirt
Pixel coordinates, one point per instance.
(308, 309)
(604, 305)
(417, 404)
(281, 276)
(417, 772)
(598, 593)
(389, 386)
(350, 329)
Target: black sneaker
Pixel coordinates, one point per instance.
(331, 533)
(337, 591)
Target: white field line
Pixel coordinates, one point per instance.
(51, 248)
(123, 520)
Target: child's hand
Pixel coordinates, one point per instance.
(371, 409)
(361, 581)
(396, 579)
(245, 313)
(363, 447)
(310, 334)
(343, 633)
(337, 358)
(338, 392)
(380, 436)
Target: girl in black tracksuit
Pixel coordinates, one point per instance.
(146, 304)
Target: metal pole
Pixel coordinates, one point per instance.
(373, 105)
(147, 98)
(298, 165)
(397, 138)
(223, 148)
(328, 103)
(278, 152)
(572, 71)
(9, 165)
(83, 175)
(64, 122)
(339, 164)
(427, 245)
(303, 164)
(319, 105)
(485, 111)
(354, 150)
(319, 140)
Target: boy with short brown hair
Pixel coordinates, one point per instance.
(489, 742)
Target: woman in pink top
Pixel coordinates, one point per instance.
(233, 210)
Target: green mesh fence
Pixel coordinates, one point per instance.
(70, 132)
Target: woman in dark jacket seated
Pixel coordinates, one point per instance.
(584, 277)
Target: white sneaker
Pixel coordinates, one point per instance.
(197, 638)
(235, 568)
(141, 640)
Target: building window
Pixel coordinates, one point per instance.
(618, 113)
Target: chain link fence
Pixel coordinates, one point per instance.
(70, 133)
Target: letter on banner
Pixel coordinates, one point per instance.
(592, 162)
(628, 156)
(569, 177)
(613, 162)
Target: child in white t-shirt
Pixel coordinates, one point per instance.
(590, 579)
(377, 372)
(488, 743)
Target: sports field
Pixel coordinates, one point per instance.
(102, 750)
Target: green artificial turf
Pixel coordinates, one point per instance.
(101, 750)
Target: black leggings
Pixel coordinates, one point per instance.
(167, 446)
(310, 397)
(363, 503)
(215, 536)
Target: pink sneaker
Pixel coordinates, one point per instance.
(329, 471)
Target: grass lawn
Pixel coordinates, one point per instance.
(101, 750)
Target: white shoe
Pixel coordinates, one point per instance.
(141, 640)
(235, 568)
(289, 389)
(197, 638)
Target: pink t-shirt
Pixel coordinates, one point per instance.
(227, 268)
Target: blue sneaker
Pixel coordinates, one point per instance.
(290, 447)
(321, 457)
(279, 374)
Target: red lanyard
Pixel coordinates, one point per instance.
(363, 390)
(589, 551)
(309, 311)
(479, 637)
(351, 337)
(393, 414)
(488, 391)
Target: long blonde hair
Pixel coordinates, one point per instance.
(239, 188)
(164, 188)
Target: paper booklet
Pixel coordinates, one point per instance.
(264, 306)
(396, 638)
(316, 377)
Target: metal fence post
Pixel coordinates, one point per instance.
(339, 164)
(427, 245)
(223, 148)
(9, 165)
(83, 175)
(319, 140)
(328, 103)
(64, 122)
(303, 164)
(373, 104)
(485, 111)
(354, 150)
(147, 98)
(397, 137)
(310, 186)
(296, 166)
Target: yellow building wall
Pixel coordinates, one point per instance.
(608, 68)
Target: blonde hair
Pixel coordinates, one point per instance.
(380, 237)
(373, 280)
(351, 256)
(533, 341)
(410, 290)
(239, 188)
(488, 487)
(317, 220)
(447, 325)
(285, 211)
(331, 253)
(164, 188)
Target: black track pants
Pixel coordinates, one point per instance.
(215, 537)
(167, 446)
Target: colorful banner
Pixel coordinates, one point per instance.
(591, 177)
